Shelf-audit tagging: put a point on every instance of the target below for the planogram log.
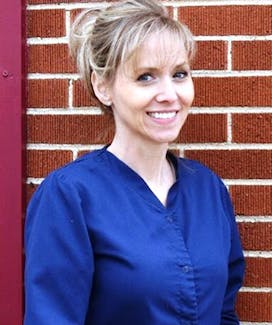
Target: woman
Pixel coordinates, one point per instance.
(131, 234)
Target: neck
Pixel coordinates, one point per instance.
(148, 161)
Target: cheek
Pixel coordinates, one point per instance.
(192, 94)
(129, 97)
(188, 94)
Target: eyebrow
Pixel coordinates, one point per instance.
(183, 65)
(143, 68)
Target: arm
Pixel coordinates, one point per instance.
(236, 267)
(59, 259)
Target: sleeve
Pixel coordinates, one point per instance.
(59, 259)
(236, 266)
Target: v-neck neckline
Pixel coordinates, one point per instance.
(134, 181)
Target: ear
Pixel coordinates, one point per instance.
(101, 89)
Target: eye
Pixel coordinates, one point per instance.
(145, 77)
(181, 74)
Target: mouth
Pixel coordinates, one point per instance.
(163, 115)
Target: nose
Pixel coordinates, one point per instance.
(167, 91)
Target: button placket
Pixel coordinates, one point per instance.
(187, 293)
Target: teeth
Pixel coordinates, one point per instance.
(162, 115)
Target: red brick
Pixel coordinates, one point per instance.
(233, 91)
(210, 55)
(52, 58)
(252, 128)
(77, 11)
(252, 200)
(81, 97)
(85, 128)
(256, 236)
(258, 272)
(201, 128)
(227, 20)
(236, 164)
(30, 189)
(46, 23)
(69, 129)
(82, 153)
(255, 306)
(74, 13)
(42, 162)
(252, 55)
(48, 93)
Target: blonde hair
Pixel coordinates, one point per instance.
(101, 40)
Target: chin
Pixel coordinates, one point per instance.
(169, 137)
(166, 139)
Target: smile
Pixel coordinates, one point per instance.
(162, 115)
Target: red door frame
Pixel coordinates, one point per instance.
(12, 96)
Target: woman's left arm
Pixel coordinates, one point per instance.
(236, 267)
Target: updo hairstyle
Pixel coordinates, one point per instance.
(101, 40)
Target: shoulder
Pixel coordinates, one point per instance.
(201, 179)
(89, 163)
(195, 170)
(78, 174)
(207, 183)
(82, 167)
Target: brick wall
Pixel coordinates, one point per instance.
(229, 129)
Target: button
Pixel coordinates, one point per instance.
(185, 268)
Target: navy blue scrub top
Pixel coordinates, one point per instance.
(101, 249)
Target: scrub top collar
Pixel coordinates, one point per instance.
(136, 183)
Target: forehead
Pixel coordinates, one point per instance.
(158, 51)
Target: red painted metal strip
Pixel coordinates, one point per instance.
(11, 160)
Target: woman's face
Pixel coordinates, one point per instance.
(152, 92)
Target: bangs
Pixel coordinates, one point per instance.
(168, 32)
(168, 48)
